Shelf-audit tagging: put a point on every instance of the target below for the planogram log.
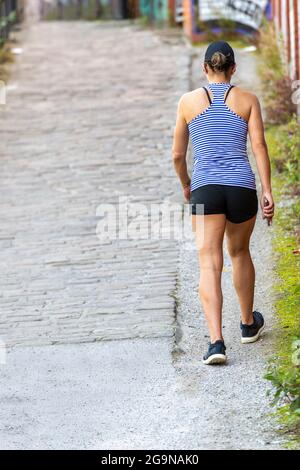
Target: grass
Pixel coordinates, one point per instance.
(236, 43)
(283, 139)
(276, 84)
(283, 369)
(6, 57)
(89, 11)
(223, 29)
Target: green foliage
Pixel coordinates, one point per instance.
(144, 20)
(284, 374)
(277, 85)
(6, 21)
(271, 63)
(286, 378)
(91, 10)
(284, 147)
(6, 57)
(12, 17)
(3, 21)
(237, 42)
(283, 370)
(226, 31)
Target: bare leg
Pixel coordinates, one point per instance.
(209, 236)
(238, 238)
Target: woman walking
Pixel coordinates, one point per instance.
(222, 191)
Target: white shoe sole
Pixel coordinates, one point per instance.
(252, 339)
(215, 359)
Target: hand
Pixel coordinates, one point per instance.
(187, 191)
(267, 206)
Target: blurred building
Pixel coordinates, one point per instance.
(286, 16)
(162, 11)
(122, 9)
(244, 16)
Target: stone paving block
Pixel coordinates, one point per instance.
(87, 127)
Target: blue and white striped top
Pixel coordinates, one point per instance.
(219, 142)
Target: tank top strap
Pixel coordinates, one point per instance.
(219, 91)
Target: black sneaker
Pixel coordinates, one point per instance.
(251, 333)
(216, 353)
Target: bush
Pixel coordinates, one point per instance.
(6, 57)
(283, 370)
(278, 100)
(222, 29)
(286, 157)
(284, 373)
(276, 84)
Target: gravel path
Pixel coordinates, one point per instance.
(232, 398)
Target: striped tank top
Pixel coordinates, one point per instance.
(219, 143)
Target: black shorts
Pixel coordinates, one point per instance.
(237, 203)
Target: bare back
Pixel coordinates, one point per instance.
(196, 101)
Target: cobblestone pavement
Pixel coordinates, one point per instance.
(89, 118)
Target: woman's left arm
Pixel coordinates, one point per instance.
(179, 149)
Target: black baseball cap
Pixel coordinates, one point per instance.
(220, 46)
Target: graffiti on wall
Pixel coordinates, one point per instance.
(245, 12)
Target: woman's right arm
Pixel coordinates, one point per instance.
(260, 151)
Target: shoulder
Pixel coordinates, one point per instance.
(189, 97)
(247, 95)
